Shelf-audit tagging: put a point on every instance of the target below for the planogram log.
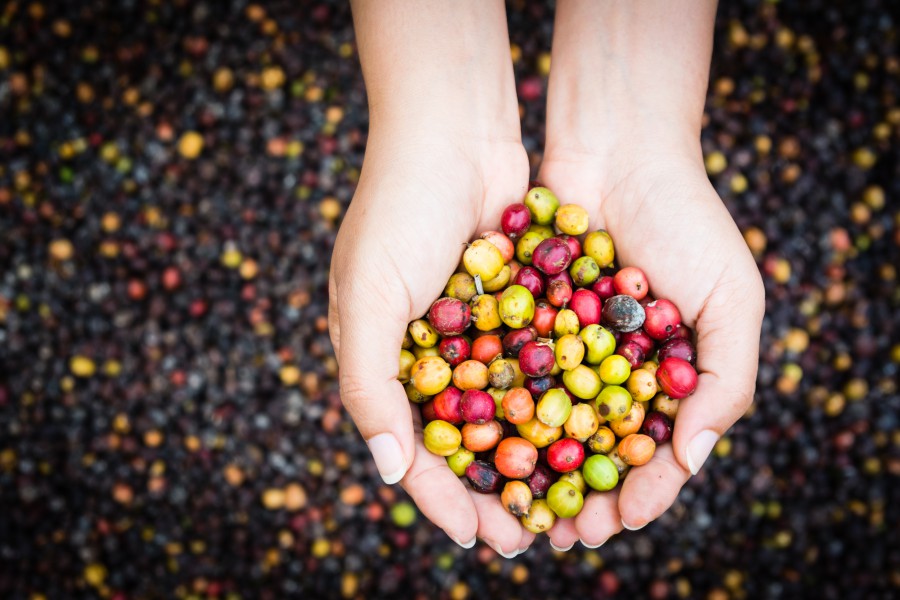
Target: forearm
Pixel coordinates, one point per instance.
(438, 66)
(624, 72)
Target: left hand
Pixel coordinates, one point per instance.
(666, 219)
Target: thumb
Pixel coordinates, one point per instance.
(370, 391)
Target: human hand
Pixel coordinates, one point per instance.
(443, 158)
(666, 218)
(416, 206)
(625, 107)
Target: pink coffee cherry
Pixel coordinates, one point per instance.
(516, 220)
(449, 316)
(632, 282)
(536, 360)
(477, 407)
(586, 305)
(552, 256)
(676, 377)
(662, 319)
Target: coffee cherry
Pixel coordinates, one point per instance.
(565, 455)
(459, 460)
(599, 343)
(539, 434)
(477, 406)
(583, 382)
(553, 408)
(516, 339)
(623, 313)
(423, 334)
(515, 457)
(600, 473)
(430, 375)
(677, 347)
(481, 437)
(572, 219)
(658, 426)
(483, 477)
(636, 449)
(540, 480)
(543, 204)
(515, 220)
(455, 350)
(483, 259)
(535, 359)
(631, 281)
(613, 402)
(540, 517)
(552, 256)
(676, 377)
(599, 246)
(441, 438)
(407, 360)
(582, 422)
(501, 374)
(662, 317)
(516, 307)
(518, 406)
(564, 499)
(602, 441)
(471, 375)
(461, 286)
(516, 498)
(531, 279)
(586, 305)
(449, 316)
(569, 351)
(584, 271)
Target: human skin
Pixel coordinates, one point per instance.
(625, 106)
(444, 157)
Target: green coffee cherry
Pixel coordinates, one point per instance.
(564, 499)
(600, 473)
(543, 204)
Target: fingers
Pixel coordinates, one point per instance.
(727, 356)
(378, 405)
(498, 528)
(563, 535)
(368, 378)
(651, 489)
(439, 494)
(599, 518)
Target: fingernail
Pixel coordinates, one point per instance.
(586, 545)
(388, 457)
(496, 548)
(566, 549)
(699, 448)
(466, 545)
(630, 528)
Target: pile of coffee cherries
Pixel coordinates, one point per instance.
(544, 371)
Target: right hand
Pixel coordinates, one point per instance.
(418, 202)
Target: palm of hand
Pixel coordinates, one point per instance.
(667, 220)
(399, 243)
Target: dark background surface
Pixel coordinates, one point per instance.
(169, 420)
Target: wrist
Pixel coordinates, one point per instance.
(629, 78)
(439, 69)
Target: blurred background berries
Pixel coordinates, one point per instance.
(172, 175)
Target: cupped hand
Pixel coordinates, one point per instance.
(417, 204)
(666, 219)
